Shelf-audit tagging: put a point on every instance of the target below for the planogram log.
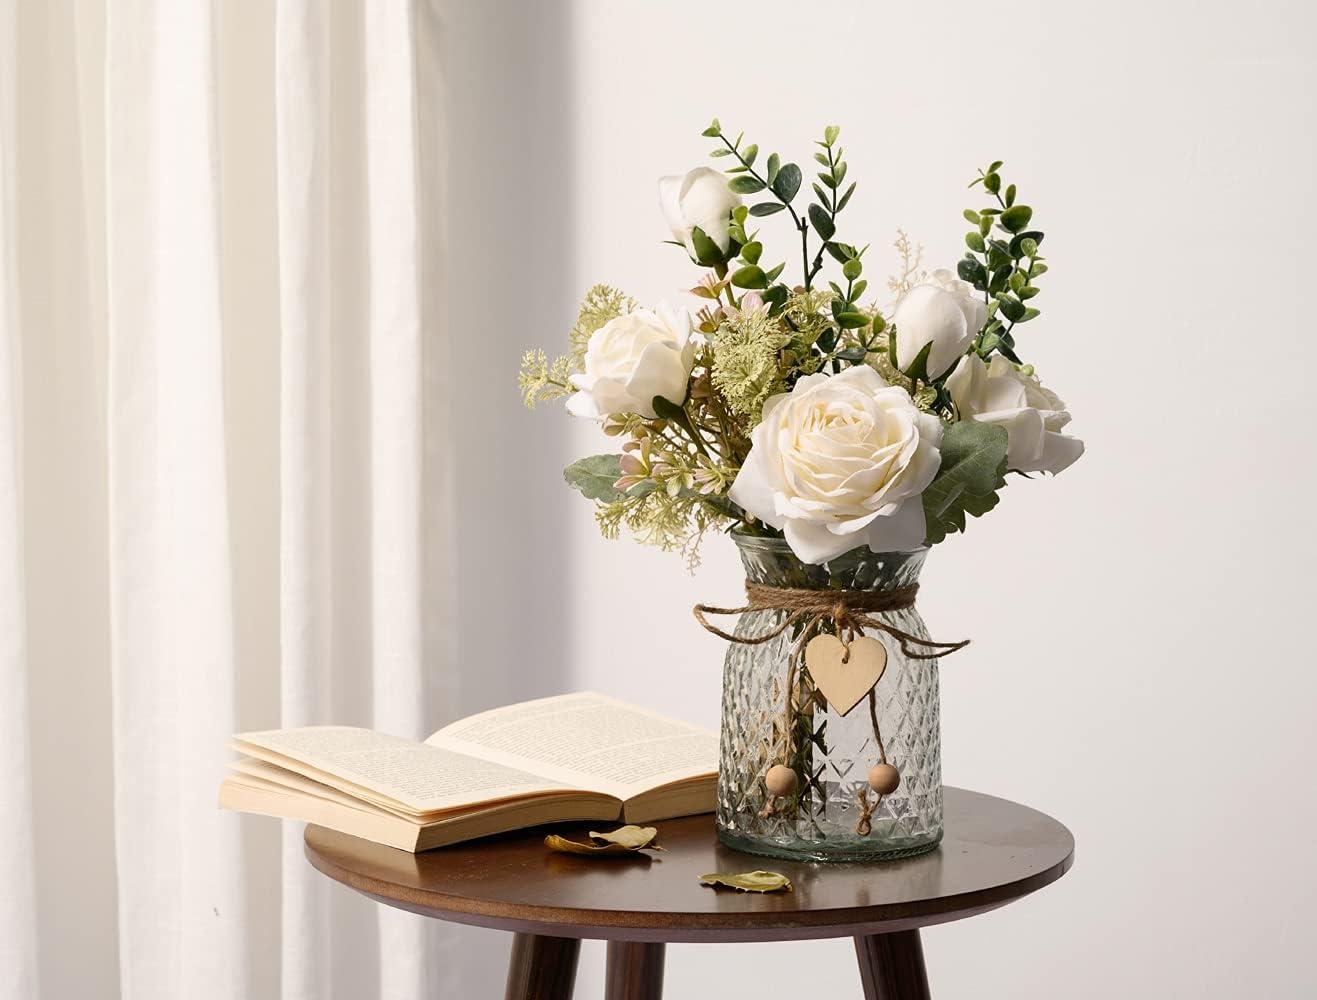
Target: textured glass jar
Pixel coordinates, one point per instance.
(830, 753)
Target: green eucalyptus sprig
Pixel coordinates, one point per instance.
(782, 181)
(1002, 262)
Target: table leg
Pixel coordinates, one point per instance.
(892, 966)
(542, 968)
(635, 970)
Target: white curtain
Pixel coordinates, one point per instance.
(223, 476)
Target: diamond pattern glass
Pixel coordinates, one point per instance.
(830, 754)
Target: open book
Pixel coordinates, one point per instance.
(574, 757)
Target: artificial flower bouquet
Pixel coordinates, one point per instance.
(803, 408)
(837, 438)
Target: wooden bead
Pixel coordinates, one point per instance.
(780, 780)
(884, 779)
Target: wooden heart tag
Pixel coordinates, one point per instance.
(845, 683)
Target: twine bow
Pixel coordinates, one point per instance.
(851, 610)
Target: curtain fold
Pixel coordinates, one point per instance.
(358, 535)
(18, 916)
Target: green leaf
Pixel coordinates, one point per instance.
(973, 470)
(838, 175)
(749, 153)
(972, 271)
(975, 242)
(822, 223)
(1016, 217)
(751, 252)
(714, 130)
(745, 185)
(774, 162)
(828, 179)
(841, 203)
(852, 269)
(787, 181)
(992, 182)
(594, 476)
(841, 252)
(720, 151)
(707, 251)
(853, 354)
(971, 216)
(772, 273)
(668, 410)
(852, 320)
(749, 276)
(858, 289)
(756, 881)
(766, 208)
(820, 193)
(1029, 314)
(1010, 195)
(830, 134)
(918, 369)
(777, 295)
(1028, 247)
(823, 159)
(996, 164)
(1012, 310)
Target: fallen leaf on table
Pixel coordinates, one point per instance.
(748, 881)
(633, 837)
(628, 840)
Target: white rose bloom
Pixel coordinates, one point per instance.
(840, 462)
(999, 393)
(944, 311)
(632, 359)
(701, 198)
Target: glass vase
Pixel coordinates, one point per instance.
(832, 814)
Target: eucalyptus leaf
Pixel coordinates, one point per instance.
(774, 162)
(751, 252)
(750, 276)
(749, 153)
(846, 197)
(667, 410)
(1016, 217)
(745, 184)
(756, 881)
(830, 134)
(822, 223)
(766, 208)
(787, 181)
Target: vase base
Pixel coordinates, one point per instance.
(856, 852)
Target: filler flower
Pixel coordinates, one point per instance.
(840, 462)
(632, 359)
(1000, 393)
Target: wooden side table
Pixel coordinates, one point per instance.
(994, 852)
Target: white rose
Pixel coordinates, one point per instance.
(701, 198)
(944, 311)
(840, 462)
(632, 359)
(999, 393)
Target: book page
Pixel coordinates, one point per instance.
(587, 741)
(418, 776)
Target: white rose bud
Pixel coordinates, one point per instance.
(943, 311)
(633, 358)
(999, 393)
(701, 198)
(840, 462)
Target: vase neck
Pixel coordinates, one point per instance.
(770, 561)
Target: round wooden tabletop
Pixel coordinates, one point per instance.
(993, 852)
